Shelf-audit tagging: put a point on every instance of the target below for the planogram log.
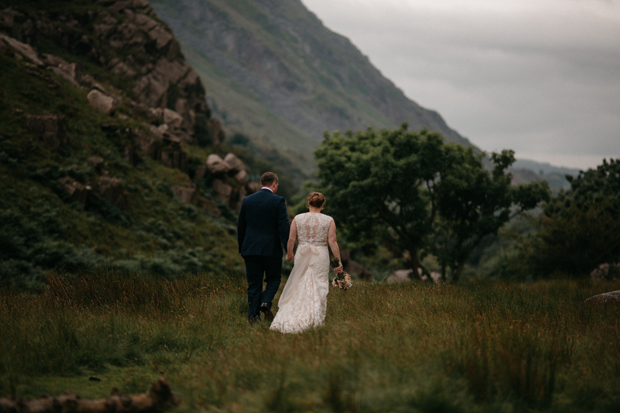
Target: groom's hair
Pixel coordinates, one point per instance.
(268, 179)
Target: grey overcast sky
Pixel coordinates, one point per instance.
(541, 77)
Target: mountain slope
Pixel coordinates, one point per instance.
(292, 68)
(100, 116)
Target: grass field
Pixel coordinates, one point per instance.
(414, 347)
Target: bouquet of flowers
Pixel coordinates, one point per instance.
(341, 280)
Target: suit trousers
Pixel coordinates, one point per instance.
(255, 267)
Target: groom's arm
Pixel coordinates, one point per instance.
(241, 226)
(283, 224)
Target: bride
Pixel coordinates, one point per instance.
(303, 302)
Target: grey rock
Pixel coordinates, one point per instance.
(222, 190)
(216, 165)
(120, 68)
(434, 276)
(102, 102)
(217, 131)
(606, 272)
(242, 177)
(236, 164)
(241, 193)
(172, 118)
(400, 276)
(63, 74)
(612, 297)
(76, 191)
(22, 49)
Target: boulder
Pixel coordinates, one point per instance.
(434, 276)
(400, 276)
(102, 102)
(216, 165)
(76, 191)
(222, 190)
(68, 72)
(118, 67)
(236, 165)
(52, 129)
(242, 177)
(172, 119)
(606, 272)
(612, 297)
(22, 49)
(52, 60)
(112, 189)
(183, 194)
(217, 131)
(240, 195)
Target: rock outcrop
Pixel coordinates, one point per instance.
(612, 297)
(76, 191)
(154, 66)
(606, 272)
(102, 102)
(406, 275)
(217, 165)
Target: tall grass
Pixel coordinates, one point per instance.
(409, 347)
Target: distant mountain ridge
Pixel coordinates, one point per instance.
(277, 69)
(274, 71)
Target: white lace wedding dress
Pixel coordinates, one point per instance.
(303, 303)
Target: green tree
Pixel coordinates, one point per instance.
(579, 228)
(416, 194)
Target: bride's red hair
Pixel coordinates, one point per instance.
(316, 199)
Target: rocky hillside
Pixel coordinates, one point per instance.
(278, 73)
(108, 151)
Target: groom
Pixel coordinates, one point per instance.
(262, 230)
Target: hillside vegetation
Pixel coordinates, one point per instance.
(104, 133)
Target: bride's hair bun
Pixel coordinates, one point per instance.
(316, 199)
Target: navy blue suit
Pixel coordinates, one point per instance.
(262, 230)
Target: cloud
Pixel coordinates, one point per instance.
(540, 77)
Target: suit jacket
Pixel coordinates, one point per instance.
(263, 225)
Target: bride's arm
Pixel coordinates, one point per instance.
(331, 238)
(290, 245)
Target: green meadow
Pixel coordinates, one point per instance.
(411, 347)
